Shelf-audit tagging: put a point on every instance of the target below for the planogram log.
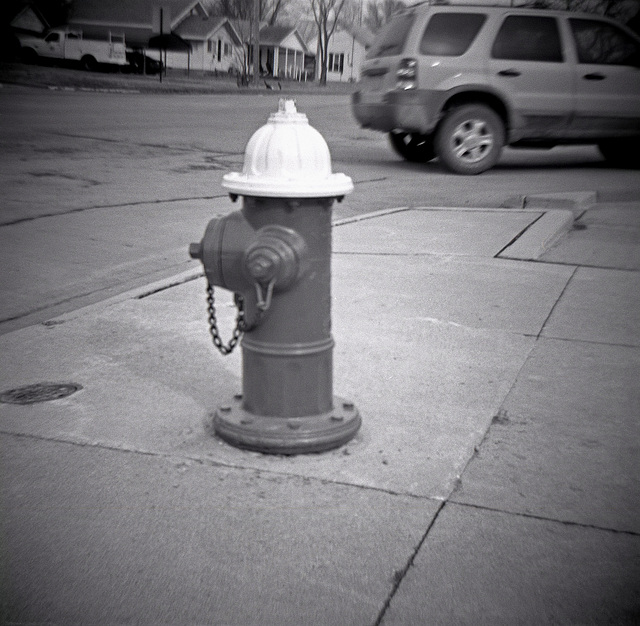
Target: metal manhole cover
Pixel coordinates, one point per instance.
(39, 392)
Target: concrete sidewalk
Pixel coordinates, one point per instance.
(495, 480)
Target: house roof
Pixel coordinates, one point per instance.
(243, 28)
(196, 27)
(275, 35)
(309, 31)
(362, 34)
(29, 19)
(135, 18)
(132, 13)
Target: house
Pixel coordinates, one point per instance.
(214, 44)
(346, 54)
(282, 52)
(196, 39)
(29, 20)
(137, 19)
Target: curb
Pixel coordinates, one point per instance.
(528, 246)
(540, 236)
(575, 201)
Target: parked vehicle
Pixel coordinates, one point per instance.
(140, 63)
(71, 45)
(461, 82)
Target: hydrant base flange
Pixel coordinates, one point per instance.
(286, 435)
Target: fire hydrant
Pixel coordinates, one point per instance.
(275, 255)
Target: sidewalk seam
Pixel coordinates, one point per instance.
(555, 304)
(169, 455)
(543, 518)
(400, 574)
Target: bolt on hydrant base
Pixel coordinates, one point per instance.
(286, 435)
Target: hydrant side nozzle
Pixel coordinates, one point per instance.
(195, 250)
(278, 255)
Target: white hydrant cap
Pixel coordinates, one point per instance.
(287, 158)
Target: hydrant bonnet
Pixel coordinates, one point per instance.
(287, 158)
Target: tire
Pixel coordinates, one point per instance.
(29, 55)
(622, 153)
(469, 139)
(413, 147)
(88, 63)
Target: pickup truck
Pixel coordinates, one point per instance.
(70, 45)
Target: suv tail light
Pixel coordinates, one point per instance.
(406, 74)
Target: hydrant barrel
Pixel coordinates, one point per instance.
(287, 358)
(276, 254)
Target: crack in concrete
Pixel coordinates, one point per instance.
(400, 574)
(110, 206)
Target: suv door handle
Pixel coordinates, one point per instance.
(594, 76)
(510, 72)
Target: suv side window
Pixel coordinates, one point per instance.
(603, 43)
(392, 37)
(528, 38)
(451, 34)
(52, 37)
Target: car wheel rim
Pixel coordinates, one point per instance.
(472, 141)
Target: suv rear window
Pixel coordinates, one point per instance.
(392, 37)
(528, 38)
(451, 34)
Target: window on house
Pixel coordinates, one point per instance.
(209, 46)
(227, 49)
(336, 62)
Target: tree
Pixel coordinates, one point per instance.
(623, 10)
(379, 12)
(326, 14)
(270, 10)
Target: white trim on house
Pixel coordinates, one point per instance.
(346, 54)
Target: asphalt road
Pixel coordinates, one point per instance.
(102, 192)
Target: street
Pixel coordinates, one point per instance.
(104, 191)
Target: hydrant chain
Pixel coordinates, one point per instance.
(213, 326)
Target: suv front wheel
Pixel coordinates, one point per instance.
(469, 139)
(414, 147)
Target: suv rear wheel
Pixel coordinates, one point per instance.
(414, 147)
(470, 138)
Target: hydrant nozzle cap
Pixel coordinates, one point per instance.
(287, 158)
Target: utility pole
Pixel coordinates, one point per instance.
(255, 37)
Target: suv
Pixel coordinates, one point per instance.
(460, 82)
